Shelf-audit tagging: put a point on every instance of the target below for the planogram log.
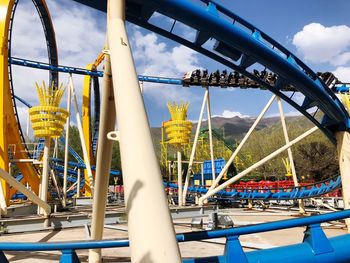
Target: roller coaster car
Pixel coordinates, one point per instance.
(214, 78)
(196, 76)
(223, 79)
(328, 78)
(251, 83)
(256, 73)
(187, 78)
(243, 82)
(271, 78)
(204, 78)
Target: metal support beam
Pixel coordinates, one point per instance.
(290, 154)
(45, 175)
(256, 165)
(343, 147)
(66, 151)
(103, 162)
(142, 178)
(179, 180)
(210, 137)
(81, 135)
(235, 153)
(20, 187)
(193, 151)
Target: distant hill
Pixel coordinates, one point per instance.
(231, 128)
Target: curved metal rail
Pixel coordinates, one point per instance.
(315, 246)
(239, 45)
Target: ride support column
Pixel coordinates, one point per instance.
(151, 232)
(45, 178)
(343, 147)
(103, 162)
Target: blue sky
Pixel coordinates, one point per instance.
(317, 31)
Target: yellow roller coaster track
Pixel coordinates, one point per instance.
(86, 118)
(9, 128)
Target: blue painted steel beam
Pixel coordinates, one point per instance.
(81, 71)
(256, 45)
(199, 18)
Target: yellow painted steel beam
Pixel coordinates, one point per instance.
(86, 118)
(86, 122)
(9, 129)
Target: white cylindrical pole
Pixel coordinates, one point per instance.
(179, 179)
(290, 154)
(169, 168)
(28, 124)
(193, 151)
(256, 165)
(103, 160)
(81, 133)
(343, 147)
(45, 174)
(210, 138)
(66, 145)
(234, 154)
(153, 240)
(202, 173)
(20, 187)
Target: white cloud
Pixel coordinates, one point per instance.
(287, 114)
(80, 35)
(320, 44)
(231, 114)
(342, 73)
(155, 58)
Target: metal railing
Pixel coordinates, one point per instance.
(316, 247)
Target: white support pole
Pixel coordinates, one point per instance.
(66, 144)
(343, 147)
(153, 240)
(256, 165)
(234, 154)
(78, 183)
(28, 124)
(169, 168)
(290, 154)
(20, 187)
(45, 174)
(53, 176)
(55, 151)
(81, 133)
(179, 179)
(193, 151)
(103, 160)
(72, 187)
(3, 204)
(202, 173)
(210, 138)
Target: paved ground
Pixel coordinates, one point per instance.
(189, 249)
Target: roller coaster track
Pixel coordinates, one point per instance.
(292, 193)
(238, 46)
(9, 116)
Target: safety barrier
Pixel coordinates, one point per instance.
(302, 192)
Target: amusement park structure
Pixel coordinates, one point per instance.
(239, 46)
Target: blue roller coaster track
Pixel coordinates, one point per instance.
(238, 46)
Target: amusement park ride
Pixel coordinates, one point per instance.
(239, 46)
